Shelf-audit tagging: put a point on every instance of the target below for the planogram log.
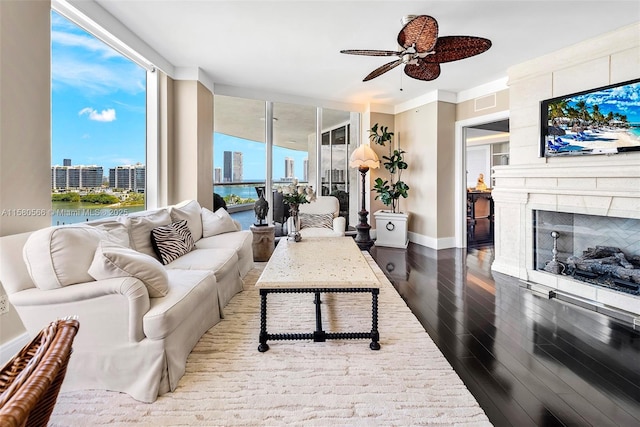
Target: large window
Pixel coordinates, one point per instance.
(98, 127)
(248, 150)
(238, 149)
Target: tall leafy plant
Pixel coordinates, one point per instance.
(389, 191)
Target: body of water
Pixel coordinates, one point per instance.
(243, 191)
(75, 212)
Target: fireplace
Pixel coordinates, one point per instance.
(589, 205)
(598, 250)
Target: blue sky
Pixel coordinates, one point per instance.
(98, 101)
(253, 159)
(622, 99)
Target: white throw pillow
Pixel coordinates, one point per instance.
(191, 212)
(218, 222)
(112, 260)
(140, 230)
(60, 256)
(116, 228)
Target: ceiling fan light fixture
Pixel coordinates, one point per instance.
(422, 50)
(407, 18)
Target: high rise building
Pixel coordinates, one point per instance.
(237, 167)
(289, 171)
(128, 177)
(217, 175)
(91, 177)
(232, 166)
(58, 178)
(227, 166)
(305, 170)
(66, 162)
(81, 176)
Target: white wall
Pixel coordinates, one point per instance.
(25, 148)
(192, 144)
(25, 129)
(609, 185)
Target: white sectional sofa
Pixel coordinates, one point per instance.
(139, 319)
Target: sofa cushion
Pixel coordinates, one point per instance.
(241, 241)
(222, 262)
(187, 290)
(205, 259)
(172, 241)
(112, 260)
(189, 211)
(218, 222)
(140, 230)
(308, 220)
(237, 241)
(61, 256)
(118, 230)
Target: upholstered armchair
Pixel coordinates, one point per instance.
(320, 218)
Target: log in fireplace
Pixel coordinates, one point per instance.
(599, 250)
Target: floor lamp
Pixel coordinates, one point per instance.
(364, 158)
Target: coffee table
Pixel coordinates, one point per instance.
(318, 265)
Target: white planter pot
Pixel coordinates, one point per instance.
(391, 229)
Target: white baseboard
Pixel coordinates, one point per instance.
(430, 242)
(12, 347)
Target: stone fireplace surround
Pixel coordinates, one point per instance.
(605, 186)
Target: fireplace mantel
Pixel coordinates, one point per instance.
(606, 187)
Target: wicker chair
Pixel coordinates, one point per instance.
(30, 382)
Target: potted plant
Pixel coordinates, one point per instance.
(391, 225)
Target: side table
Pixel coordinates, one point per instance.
(263, 241)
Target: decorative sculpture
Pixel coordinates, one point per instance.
(261, 208)
(480, 185)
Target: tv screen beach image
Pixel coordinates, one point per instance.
(600, 121)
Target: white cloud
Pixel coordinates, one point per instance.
(107, 115)
(99, 78)
(90, 44)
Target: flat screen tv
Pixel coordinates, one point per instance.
(605, 120)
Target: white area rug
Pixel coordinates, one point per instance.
(338, 382)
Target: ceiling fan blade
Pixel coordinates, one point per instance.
(371, 52)
(423, 70)
(422, 32)
(453, 48)
(382, 69)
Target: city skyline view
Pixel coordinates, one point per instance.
(98, 109)
(98, 100)
(254, 165)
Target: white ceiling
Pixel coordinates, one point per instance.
(293, 47)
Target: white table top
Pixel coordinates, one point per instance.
(318, 262)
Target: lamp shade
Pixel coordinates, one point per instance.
(364, 157)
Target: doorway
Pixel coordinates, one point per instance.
(487, 145)
(481, 144)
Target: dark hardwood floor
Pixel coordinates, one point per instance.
(528, 360)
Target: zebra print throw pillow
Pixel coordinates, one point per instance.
(172, 241)
(308, 220)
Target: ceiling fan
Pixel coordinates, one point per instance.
(423, 51)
